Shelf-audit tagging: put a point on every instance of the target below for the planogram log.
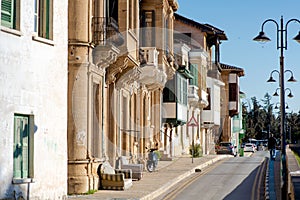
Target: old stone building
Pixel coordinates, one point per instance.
(206, 85)
(230, 98)
(118, 66)
(33, 106)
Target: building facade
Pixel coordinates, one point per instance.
(231, 100)
(118, 66)
(33, 106)
(238, 131)
(206, 85)
(87, 83)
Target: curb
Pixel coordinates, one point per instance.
(176, 180)
(267, 194)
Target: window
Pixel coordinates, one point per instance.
(166, 30)
(169, 91)
(10, 14)
(178, 88)
(194, 72)
(23, 146)
(233, 92)
(113, 11)
(209, 99)
(148, 28)
(43, 18)
(184, 91)
(96, 137)
(130, 15)
(181, 86)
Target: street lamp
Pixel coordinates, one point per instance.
(290, 95)
(291, 79)
(282, 45)
(286, 107)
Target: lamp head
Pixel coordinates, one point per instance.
(292, 79)
(290, 95)
(262, 37)
(297, 38)
(287, 107)
(271, 79)
(275, 94)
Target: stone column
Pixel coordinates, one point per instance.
(111, 123)
(79, 63)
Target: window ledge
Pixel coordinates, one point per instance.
(43, 40)
(11, 31)
(22, 180)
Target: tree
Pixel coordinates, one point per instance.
(260, 120)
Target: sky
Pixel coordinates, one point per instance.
(241, 21)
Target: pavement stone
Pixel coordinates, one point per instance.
(154, 184)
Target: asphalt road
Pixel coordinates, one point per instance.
(233, 178)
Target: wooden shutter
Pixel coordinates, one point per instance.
(194, 72)
(25, 145)
(21, 142)
(44, 19)
(7, 13)
(47, 19)
(17, 149)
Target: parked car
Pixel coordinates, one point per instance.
(226, 148)
(249, 147)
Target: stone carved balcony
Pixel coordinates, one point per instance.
(203, 102)
(107, 39)
(193, 97)
(151, 75)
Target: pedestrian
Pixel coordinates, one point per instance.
(271, 146)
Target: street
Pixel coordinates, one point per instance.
(233, 178)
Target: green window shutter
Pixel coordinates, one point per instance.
(17, 149)
(194, 72)
(185, 93)
(21, 141)
(25, 144)
(47, 19)
(7, 13)
(44, 21)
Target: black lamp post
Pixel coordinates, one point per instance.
(282, 45)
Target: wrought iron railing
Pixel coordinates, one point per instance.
(106, 30)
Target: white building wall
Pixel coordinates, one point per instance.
(33, 80)
(213, 115)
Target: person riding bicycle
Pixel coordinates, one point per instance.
(271, 146)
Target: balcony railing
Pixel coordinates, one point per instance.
(149, 56)
(106, 30)
(193, 93)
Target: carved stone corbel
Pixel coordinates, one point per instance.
(115, 68)
(103, 56)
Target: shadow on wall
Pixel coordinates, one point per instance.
(15, 193)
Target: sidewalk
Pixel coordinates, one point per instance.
(273, 185)
(154, 184)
